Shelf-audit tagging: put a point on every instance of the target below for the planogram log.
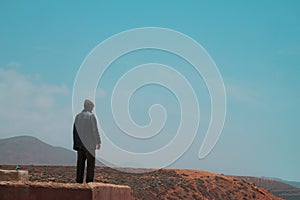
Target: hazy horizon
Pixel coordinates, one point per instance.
(167, 167)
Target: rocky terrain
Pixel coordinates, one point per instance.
(277, 187)
(160, 184)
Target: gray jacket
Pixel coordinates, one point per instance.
(85, 131)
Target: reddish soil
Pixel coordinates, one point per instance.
(160, 184)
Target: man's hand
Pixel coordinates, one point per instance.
(98, 146)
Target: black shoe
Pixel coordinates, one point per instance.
(79, 181)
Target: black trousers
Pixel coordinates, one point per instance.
(82, 156)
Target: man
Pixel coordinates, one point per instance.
(86, 139)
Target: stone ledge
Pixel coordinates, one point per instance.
(65, 191)
(13, 175)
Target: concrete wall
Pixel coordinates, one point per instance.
(13, 175)
(62, 191)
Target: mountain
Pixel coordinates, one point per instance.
(27, 150)
(278, 187)
(293, 183)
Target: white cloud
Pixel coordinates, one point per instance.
(32, 107)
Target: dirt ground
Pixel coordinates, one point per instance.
(159, 184)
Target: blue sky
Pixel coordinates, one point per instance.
(255, 45)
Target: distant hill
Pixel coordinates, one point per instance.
(293, 183)
(27, 150)
(278, 187)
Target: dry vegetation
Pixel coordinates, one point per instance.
(161, 184)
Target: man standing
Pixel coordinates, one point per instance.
(86, 139)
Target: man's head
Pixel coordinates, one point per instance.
(88, 105)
